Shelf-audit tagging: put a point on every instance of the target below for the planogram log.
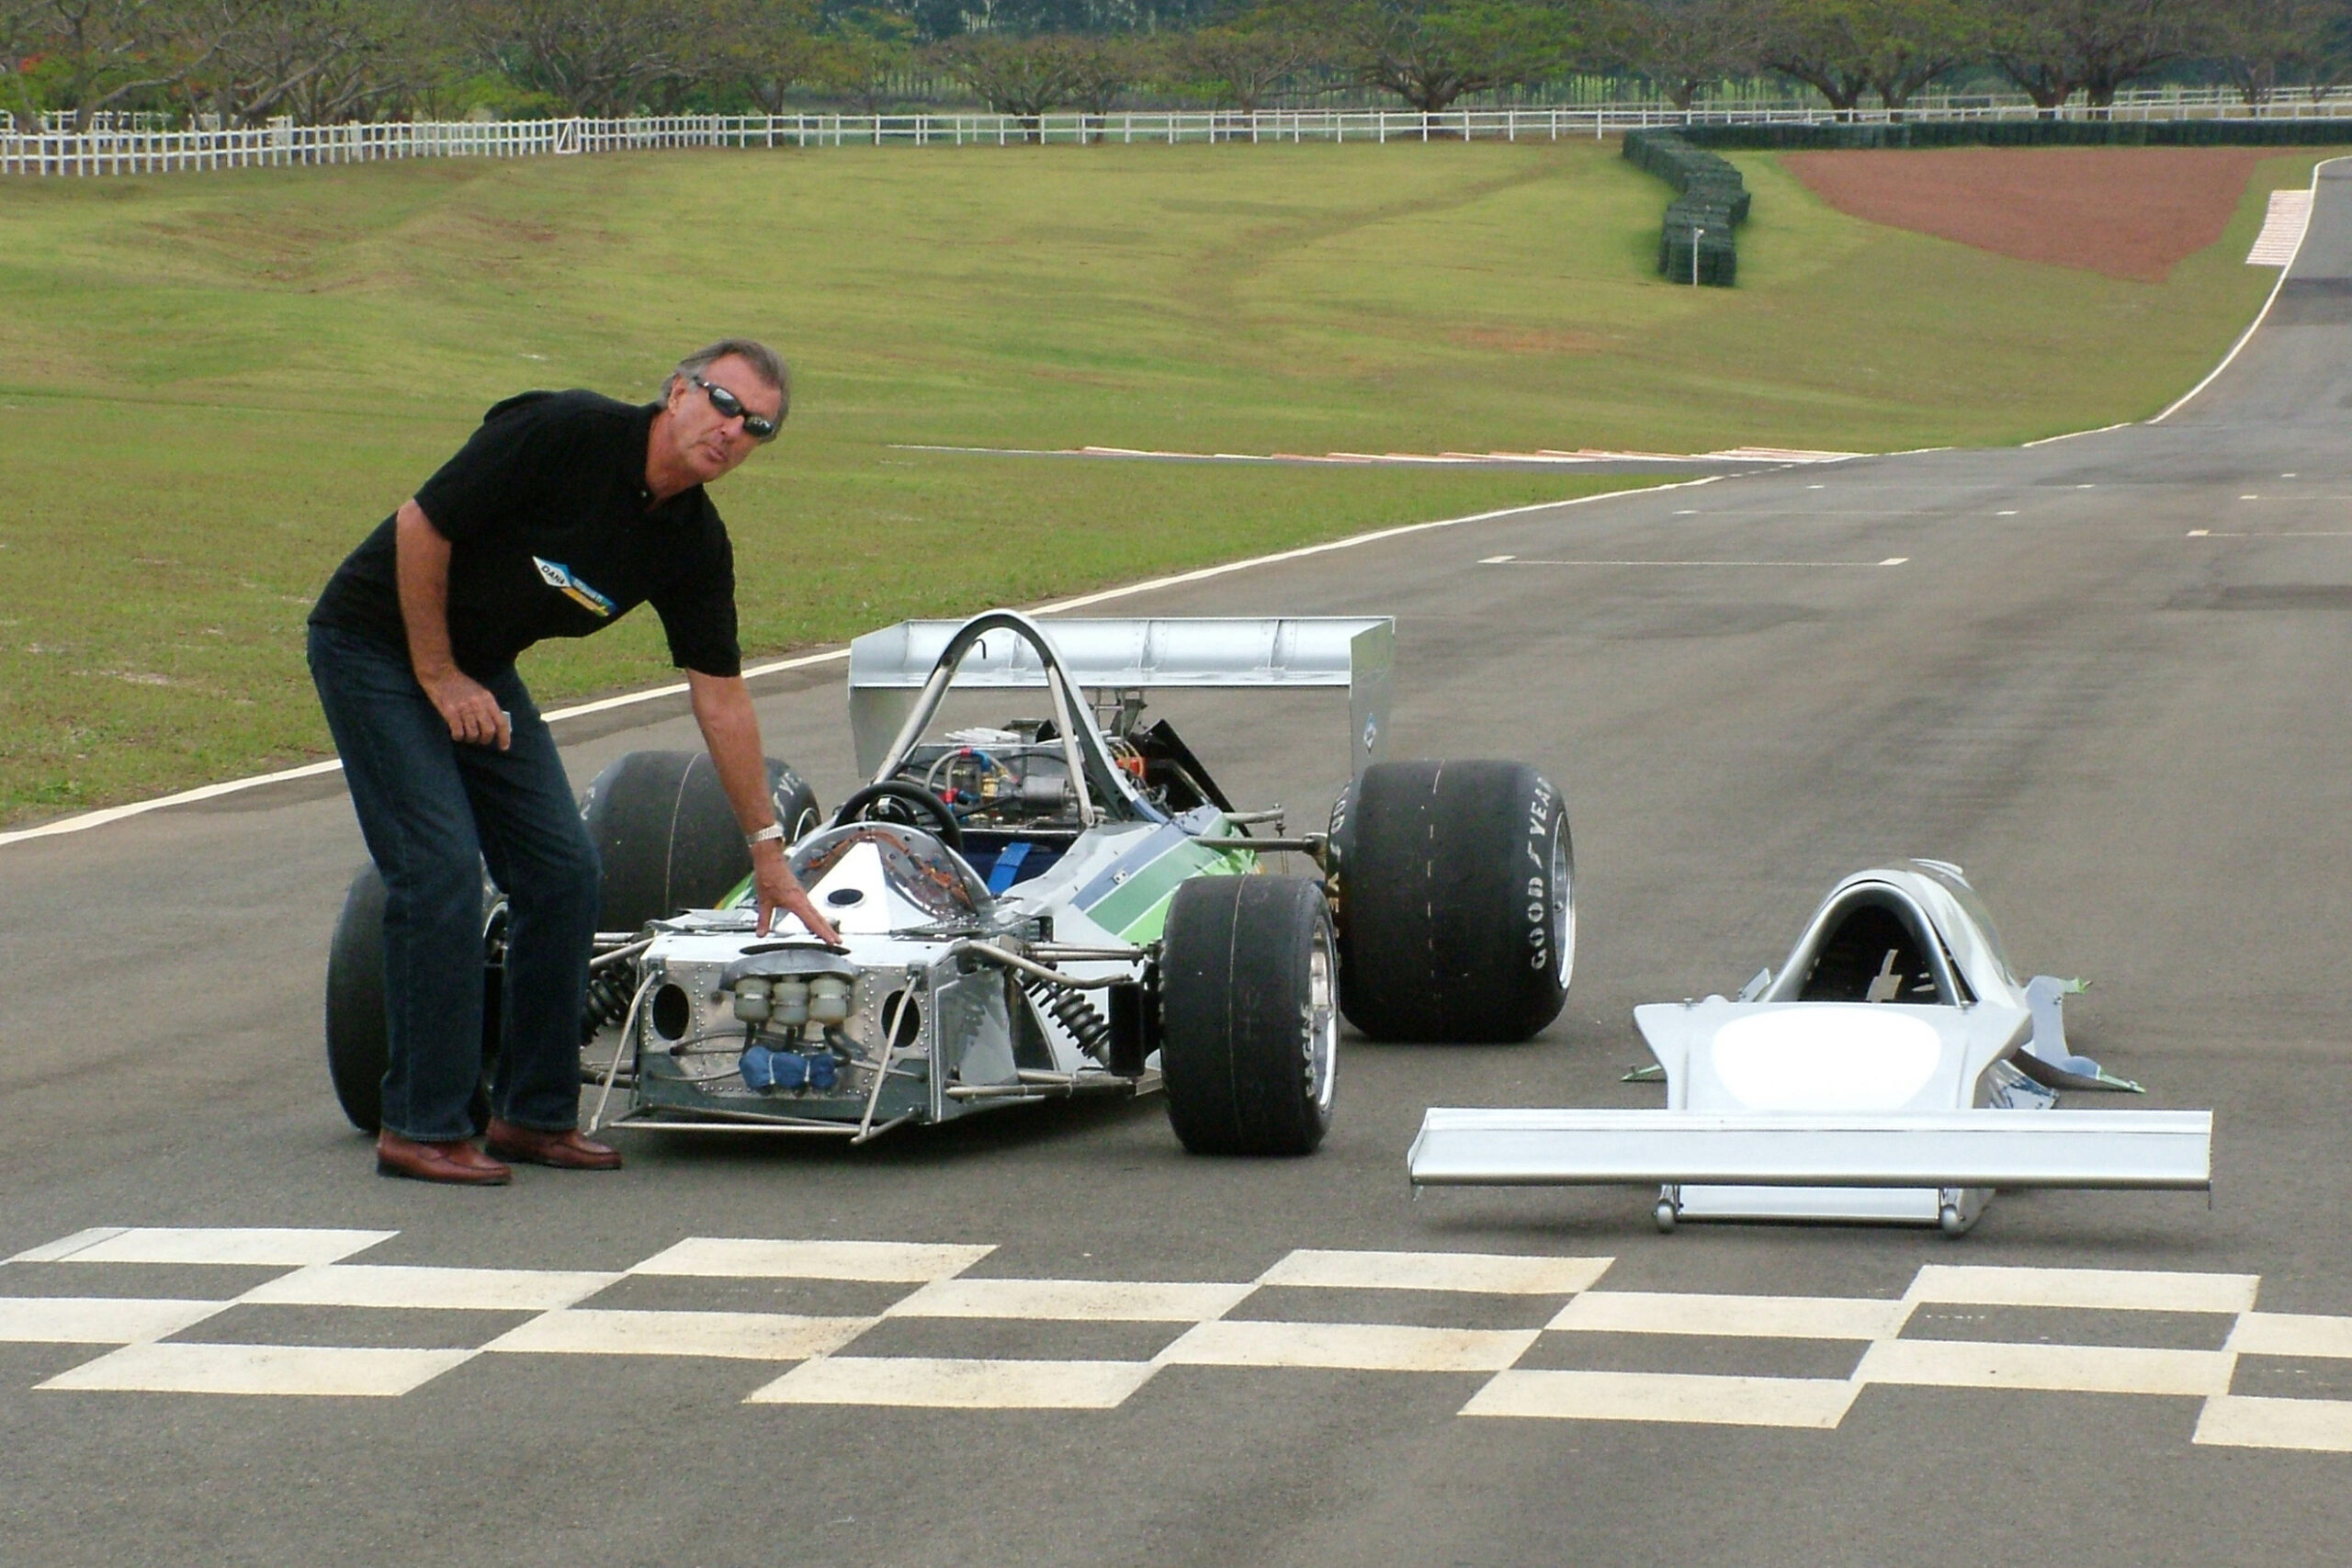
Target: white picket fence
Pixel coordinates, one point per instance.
(140, 152)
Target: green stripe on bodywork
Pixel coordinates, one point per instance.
(1137, 909)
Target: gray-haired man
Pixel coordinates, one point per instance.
(565, 511)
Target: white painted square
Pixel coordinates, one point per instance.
(1076, 1301)
(944, 1383)
(2078, 1369)
(888, 1262)
(1819, 1402)
(1495, 1273)
(1741, 1317)
(262, 1247)
(2291, 1334)
(65, 1247)
(308, 1370)
(2124, 1290)
(96, 1320)
(1352, 1347)
(2235, 1421)
(474, 1290)
(727, 1335)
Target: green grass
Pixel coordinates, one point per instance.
(210, 386)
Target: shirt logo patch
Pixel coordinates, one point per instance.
(558, 576)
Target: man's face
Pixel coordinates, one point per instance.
(710, 443)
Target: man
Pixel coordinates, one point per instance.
(564, 511)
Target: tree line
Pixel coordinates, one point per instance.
(244, 63)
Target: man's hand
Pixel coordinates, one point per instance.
(778, 889)
(466, 705)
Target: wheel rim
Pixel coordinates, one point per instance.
(1564, 905)
(1322, 1019)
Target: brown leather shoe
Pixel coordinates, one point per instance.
(458, 1162)
(567, 1150)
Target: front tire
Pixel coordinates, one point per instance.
(667, 837)
(1250, 1021)
(1456, 901)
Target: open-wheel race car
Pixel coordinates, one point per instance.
(1059, 903)
(1896, 1069)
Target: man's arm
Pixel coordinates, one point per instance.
(731, 730)
(421, 557)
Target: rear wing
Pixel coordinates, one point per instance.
(889, 668)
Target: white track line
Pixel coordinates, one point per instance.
(2076, 1368)
(722, 1335)
(2239, 1421)
(255, 1248)
(261, 1370)
(2107, 1289)
(1818, 1403)
(97, 1320)
(1352, 1347)
(1072, 1300)
(1740, 1317)
(446, 1290)
(2291, 1334)
(882, 1263)
(2247, 336)
(946, 1383)
(1490, 1273)
(88, 819)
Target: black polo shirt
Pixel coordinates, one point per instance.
(552, 533)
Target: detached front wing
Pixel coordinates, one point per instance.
(2164, 1150)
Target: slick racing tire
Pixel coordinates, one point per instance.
(1456, 901)
(667, 837)
(356, 1030)
(1250, 1023)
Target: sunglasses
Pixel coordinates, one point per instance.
(757, 426)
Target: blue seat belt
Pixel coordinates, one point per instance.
(1008, 864)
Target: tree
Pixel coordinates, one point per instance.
(94, 54)
(1025, 77)
(1429, 52)
(592, 57)
(2052, 49)
(1682, 46)
(316, 61)
(1241, 67)
(2265, 44)
(1103, 67)
(866, 51)
(769, 47)
(1818, 42)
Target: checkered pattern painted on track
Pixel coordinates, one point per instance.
(1205, 1323)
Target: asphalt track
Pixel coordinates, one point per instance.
(2108, 677)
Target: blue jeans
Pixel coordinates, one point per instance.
(434, 811)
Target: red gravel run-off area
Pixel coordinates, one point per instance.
(2128, 212)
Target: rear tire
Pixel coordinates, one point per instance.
(1456, 901)
(358, 1034)
(667, 837)
(357, 1044)
(1250, 1025)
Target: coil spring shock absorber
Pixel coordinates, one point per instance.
(1074, 1012)
(610, 990)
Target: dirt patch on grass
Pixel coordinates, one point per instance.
(1509, 341)
(2126, 212)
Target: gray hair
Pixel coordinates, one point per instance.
(765, 362)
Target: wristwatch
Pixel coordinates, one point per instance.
(772, 831)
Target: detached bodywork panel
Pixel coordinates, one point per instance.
(1894, 1069)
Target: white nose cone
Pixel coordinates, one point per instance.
(1825, 1058)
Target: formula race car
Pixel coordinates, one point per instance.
(1894, 1070)
(1051, 905)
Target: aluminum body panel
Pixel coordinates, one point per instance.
(2120, 1149)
